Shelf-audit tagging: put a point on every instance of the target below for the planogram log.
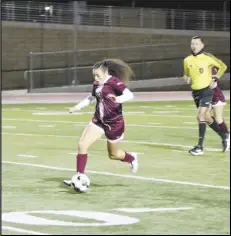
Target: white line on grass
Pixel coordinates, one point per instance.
(8, 127)
(123, 176)
(143, 210)
(24, 155)
(151, 125)
(154, 123)
(23, 230)
(124, 141)
(41, 108)
(144, 106)
(190, 123)
(46, 126)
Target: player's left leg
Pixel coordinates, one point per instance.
(115, 133)
(115, 153)
(218, 113)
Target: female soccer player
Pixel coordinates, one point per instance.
(218, 104)
(109, 91)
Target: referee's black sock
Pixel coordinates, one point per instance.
(202, 129)
(217, 129)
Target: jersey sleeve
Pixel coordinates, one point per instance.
(119, 86)
(220, 65)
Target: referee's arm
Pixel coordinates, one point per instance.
(186, 74)
(219, 64)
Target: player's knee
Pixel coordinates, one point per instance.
(201, 117)
(82, 147)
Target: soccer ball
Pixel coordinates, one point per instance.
(80, 182)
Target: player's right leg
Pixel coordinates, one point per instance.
(90, 135)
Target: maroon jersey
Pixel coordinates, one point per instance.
(106, 110)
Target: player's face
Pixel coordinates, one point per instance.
(99, 75)
(196, 45)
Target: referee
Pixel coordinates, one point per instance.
(198, 72)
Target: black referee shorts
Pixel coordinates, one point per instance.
(203, 97)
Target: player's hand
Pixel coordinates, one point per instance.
(187, 79)
(112, 97)
(213, 84)
(73, 109)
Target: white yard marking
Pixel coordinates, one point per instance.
(144, 106)
(29, 156)
(8, 127)
(41, 108)
(124, 141)
(23, 230)
(154, 123)
(143, 210)
(170, 106)
(121, 175)
(134, 112)
(190, 123)
(83, 124)
(165, 112)
(46, 126)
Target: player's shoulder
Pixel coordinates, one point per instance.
(114, 81)
(208, 55)
(189, 57)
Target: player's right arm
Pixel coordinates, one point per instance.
(86, 102)
(186, 72)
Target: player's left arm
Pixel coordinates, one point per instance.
(122, 89)
(220, 65)
(126, 96)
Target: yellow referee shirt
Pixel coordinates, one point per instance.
(199, 69)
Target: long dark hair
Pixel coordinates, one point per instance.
(116, 68)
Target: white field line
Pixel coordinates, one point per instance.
(41, 108)
(121, 175)
(124, 141)
(24, 155)
(66, 113)
(46, 126)
(165, 112)
(8, 127)
(143, 210)
(150, 125)
(83, 124)
(154, 123)
(23, 230)
(190, 123)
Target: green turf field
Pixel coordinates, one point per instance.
(172, 193)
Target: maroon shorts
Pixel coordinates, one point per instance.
(218, 97)
(114, 132)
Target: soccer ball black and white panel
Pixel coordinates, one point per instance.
(80, 182)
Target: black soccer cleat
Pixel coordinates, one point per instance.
(225, 144)
(196, 151)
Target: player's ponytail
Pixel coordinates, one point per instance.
(116, 68)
